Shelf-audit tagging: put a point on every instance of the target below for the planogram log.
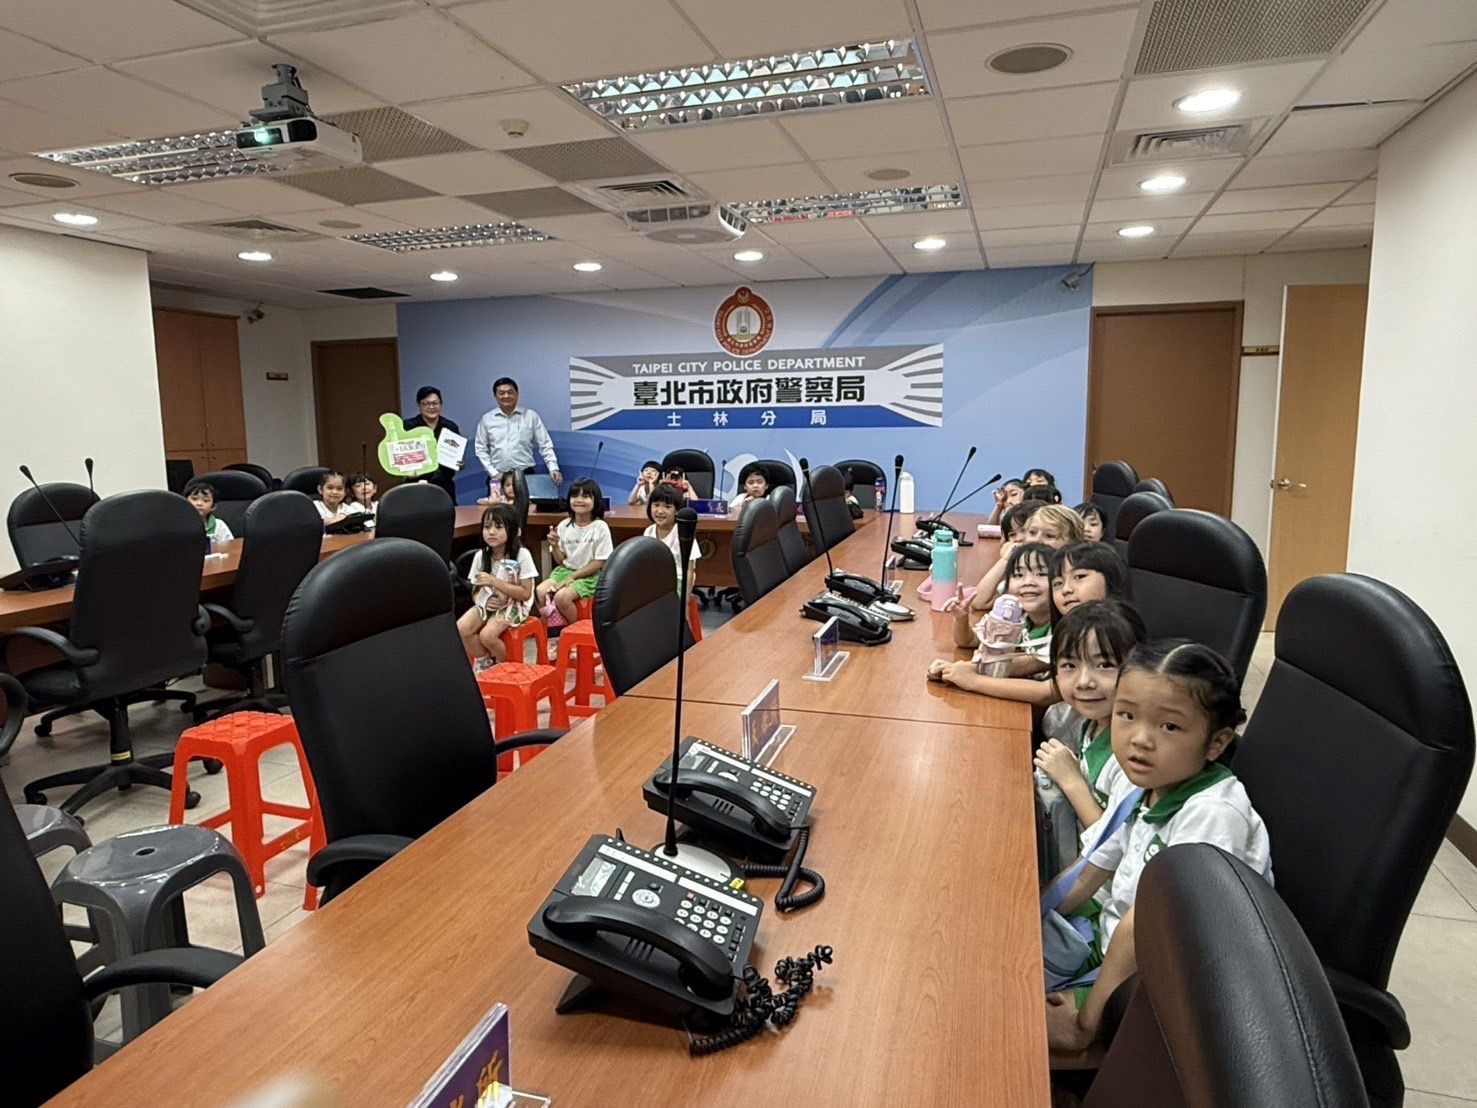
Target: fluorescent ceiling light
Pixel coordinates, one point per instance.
(749, 256)
(932, 242)
(1207, 100)
(846, 205)
(1165, 182)
(826, 77)
(588, 267)
(443, 275)
(441, 238)
(75, 219)
(169, 161)
(1137, 231)
(254, 256)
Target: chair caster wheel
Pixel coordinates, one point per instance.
(35, 798)
(192, 799)
(187, 707)
(213, 765)
(43, 729)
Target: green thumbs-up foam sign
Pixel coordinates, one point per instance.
(405, 453)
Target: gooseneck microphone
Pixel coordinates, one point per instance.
(686, 533)
(595, 465)
(26, 473)
(897, 479)
(813, 518)
(718, 480)
(87, 462)
(968, 458)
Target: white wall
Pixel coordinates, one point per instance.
(1420, 376)
(1260, 281)
(76, 366)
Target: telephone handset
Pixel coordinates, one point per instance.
(855, 587)
(353, 524)
(855, 623)
(632, 922)
(914, 550)
(738, 801)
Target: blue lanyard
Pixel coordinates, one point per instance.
(1057, 891)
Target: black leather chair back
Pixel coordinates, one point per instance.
(1197, 576)
(1112, 483)
(758, 560)
(1134, 510)
(825, 507)
(178, 472)
(422, 512)
(863, 476)
(283, 539)
(1154, 485)
(637, 612)
(520, 499)
(792, 543)
(1232, 1007)
(777, 473)
(138, 592)
(36, 535)
(394, 728)
(305, 480)
(45, 1025)
(1356, 757)
(698, 466)
(261, 473)
(234, 492)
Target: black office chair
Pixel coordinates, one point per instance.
(699, 468)
(422, 512)
(777, 473)
(758, 560)
(792, 542)
(520, 498)
(414, 745)
(1357, 756)
(1112, 483)
(178, 472)
(1197, 576)
(136, 623)
(637, 612)
(863, 477)
(283, 539)
(261, 473)
(305, 479)
(1154, 485)
(234, 493)
(1134, 510)
(1231, 1006)
(826, 513)
(36, 535)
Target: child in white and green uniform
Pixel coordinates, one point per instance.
(201, 495)
(1175, 710)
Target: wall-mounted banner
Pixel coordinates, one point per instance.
(871, 386)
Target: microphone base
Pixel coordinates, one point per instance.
(698, 859)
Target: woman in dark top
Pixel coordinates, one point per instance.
(428, 400)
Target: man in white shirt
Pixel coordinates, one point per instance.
(507, 435)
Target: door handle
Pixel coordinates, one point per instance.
(1284, 484)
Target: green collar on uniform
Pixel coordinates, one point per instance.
(1171, 802)
(1095, 755)
(1034, 633)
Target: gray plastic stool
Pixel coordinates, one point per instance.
(49, 829)
(133, 885)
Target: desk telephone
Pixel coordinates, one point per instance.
(857, 624)
(916, 553)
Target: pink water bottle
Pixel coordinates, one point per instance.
(1000, 635)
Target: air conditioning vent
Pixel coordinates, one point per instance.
(1130, 148)
(688, 224)
(256, 230)
(621, 194)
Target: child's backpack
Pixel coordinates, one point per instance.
(1057, 836)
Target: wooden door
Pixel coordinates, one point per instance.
(1317, 427)
(354, 383)
(1162, 395)
(198, 359)
(181, 398)
(220, 379)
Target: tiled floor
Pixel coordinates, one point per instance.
(1435, 973)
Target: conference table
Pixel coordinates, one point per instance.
(922, 828)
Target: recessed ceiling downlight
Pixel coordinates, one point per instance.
(75, 219)
(1137, 231)
(1207, 100)
(931, 243)
(888, 173)
(588, 267)
(1164, 182)
(749, 256)
(443, 275)
(254, 256)
(1037, 57)
(43, 180)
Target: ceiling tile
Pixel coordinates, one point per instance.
(844, 265)
(1015, 192)
(1044, 157)
(1005, 257)
(42, 213)
(87, 184)
(1324, 238)
(1306, 169)
(368, 222)
(551, 117)
(474, 171)
(940, 14)
(1099, 45)
(595, 227)
(828, 231)
(725, 145)
(250, 195)
(950, 221)
(20, 57)
(1029, 215)
(415, 57)
(1201, 175)
(25, 129)
(1266, 90)
(926, 167)
(111, 103)
(886, 127)
(778, 264)
(164, 206)
(1352, 128)
(1107, 231)
(1252, 221)
(1411, 73)
(1124, 250)
(632, 36)
(1023, 116)
(431, 211)
(1273, 199)
(1359, 194)
(767, 183)
(690, 269)
(1149, 209)
(1205, 245)
(901, 246)
(1354, 215)
(1028, 236)
(944, 261)
(115, 29)
(769, 26)
(1416, 23)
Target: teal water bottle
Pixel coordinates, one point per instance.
(945, 569)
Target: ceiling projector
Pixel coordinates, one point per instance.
(297, 143)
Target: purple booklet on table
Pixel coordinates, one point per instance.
(476, 1074)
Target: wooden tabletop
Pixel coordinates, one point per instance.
(771, 639)
(626, 517)
(924, 835)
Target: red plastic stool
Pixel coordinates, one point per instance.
(513, 691)
(584, 608)
(238, 741)
(577, 647)
(531, 628)
(694, 619)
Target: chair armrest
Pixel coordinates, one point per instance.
(1378, 1005)
(198, 966)
(74, 654)
(463, 562)
(356, 848)
(230, 618)
(543, 737)
(14, 695)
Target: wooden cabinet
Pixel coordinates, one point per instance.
(199, 362)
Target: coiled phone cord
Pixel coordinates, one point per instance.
(786, 900)
(760, 1004)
